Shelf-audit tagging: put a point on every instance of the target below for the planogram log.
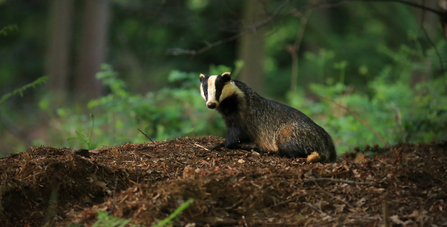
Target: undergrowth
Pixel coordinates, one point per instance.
(176, 110)
(106, 220)
(398, 109)
(169, 220)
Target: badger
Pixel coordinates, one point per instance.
(272, 126)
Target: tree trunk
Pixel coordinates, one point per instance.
(57, 65)
(91, 49)
(429, 21)
(251, 47)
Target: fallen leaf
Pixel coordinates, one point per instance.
(189, 172)
(361, 158)
(396, 220)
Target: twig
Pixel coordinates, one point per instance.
(363, 217)
(138, 186)
(358, 118)
(114, 196)
(337, 180)
(282, 203)
(277, 14)
(316, 208)
(245, 221)
(234, 205)
(416, 5)
(385, 211)
(180, 51)
(198, 145)
(295, 48)
(146, 136)
(327, 193)
(336, 173)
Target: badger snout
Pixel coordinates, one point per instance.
(211, 105)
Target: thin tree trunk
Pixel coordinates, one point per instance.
(57, 65)
(251, 47)
(91, 49)
(428, 22)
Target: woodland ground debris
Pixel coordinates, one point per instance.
(147, 182)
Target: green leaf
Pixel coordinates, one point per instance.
(10, 28)
(174, 214)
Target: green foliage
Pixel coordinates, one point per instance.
(82, 136)
(321, 61)
(20, 91)
(176, 110)
(396, 110)
(362, 55)
(219, 69)
(106, 220)
(197, 4)
(168, 221)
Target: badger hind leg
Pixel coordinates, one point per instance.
(297, 142)
(291, 150)
(287, 144)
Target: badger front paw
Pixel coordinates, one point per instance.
(230, 145)
(218, 146)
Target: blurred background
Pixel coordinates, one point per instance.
(92, 73)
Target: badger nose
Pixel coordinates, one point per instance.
(211, 105)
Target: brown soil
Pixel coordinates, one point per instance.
(406, 184)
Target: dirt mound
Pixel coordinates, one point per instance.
(147, 182)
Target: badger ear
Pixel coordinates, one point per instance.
(202, 76)
(226, 76)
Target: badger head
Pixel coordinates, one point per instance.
(214, 89)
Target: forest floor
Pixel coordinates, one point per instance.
(405, 184)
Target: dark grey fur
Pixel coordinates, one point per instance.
(273, 126)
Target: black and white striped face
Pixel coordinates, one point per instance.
(214, 89)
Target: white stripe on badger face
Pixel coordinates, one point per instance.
(201, 92)
(228, 90)
(212, 90)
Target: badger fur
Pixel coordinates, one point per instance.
(272, 126)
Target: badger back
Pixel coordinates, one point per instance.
(216, 88)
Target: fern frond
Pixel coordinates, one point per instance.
(20, 91)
